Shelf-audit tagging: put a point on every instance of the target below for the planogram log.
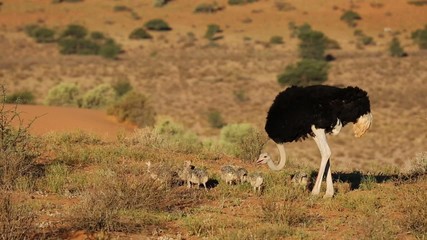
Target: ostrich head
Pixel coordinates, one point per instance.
(362, 125)
(263, 158)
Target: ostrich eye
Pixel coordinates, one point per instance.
(265, 156)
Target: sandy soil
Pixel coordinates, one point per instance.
(62, 119)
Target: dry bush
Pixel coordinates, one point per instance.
(104, 207)
(18, 149)
(16, 221)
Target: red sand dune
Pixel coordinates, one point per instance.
(68, 119)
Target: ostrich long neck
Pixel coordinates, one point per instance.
(282, 159)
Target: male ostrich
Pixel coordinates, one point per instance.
(300, 112)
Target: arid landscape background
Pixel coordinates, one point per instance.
(186, 78)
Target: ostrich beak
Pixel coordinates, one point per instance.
(362, 125)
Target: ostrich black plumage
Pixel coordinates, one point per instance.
(314, 111)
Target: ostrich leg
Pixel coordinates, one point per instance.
(325, 152)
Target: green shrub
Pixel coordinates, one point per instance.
(419, 36)
(207, 8)
(63, 94)
(350, 17)
(157, 25)
(21, 97)
(97, 35)
(160, 3)
(121, 8)
(175, 137)
(110, 49)
(211, 32)
(242, 140)
(140, 33)
(312, 44)
(276, 40)
(78, 46)
(305, 72)
(215, 119)
(74, 31)
(240, 2)
(134, 107)
(395, 49)
(101, 96)
(40, 34)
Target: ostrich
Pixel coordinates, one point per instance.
(314, 111)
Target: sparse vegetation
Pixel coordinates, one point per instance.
(157, 25)
(305, 72)
(16, 220)
(363, 39)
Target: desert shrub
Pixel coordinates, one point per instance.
(419, 36)
(312, 44)
(63, 94)
(97, 36)
(139, 33)
(160, 3)
(240, 2)
(18, 149)
(21, 97)
(305, 72)
(242, 140)
(74, 31)
(101, 96)
(40, 34)
(395, 49)
(418, 2)
(211, 32)
(276, 40)
(350, 17)
(16, 220)
(121, 8)
(110, 49)
(283, 6)
(157, 25)
(134, 107)
(215, 119)
(175, 137)
(207, 8)
(78, 46)
(122, 86)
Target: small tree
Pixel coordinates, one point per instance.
(396, 49)
(212, 31)
(312, 44)
(305, 72)
(350, 17)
